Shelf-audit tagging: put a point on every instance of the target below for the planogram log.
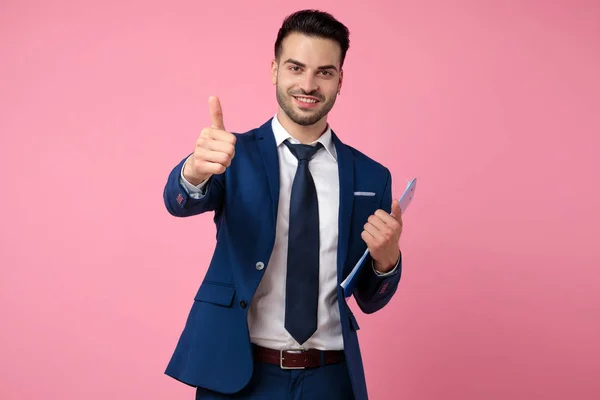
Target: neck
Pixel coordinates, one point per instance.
(304, 134)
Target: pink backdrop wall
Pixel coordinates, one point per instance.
(492, 105)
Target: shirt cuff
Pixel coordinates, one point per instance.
(195, 191)
(385, 273)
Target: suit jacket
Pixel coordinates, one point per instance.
(214, 350)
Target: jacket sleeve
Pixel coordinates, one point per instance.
(374, 291)
(181, 203)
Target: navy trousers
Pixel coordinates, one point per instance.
(270, 382)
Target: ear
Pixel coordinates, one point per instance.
(340, 81)
(274, 68)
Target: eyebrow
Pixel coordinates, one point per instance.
(298, 63)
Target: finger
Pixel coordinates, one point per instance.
(396, 210)
(223, 136)
(388, 219)
(368, 239)
(220, 146)
(216, 112)
(216, 157)
(378, 223)
(213, 168)
(374, 232)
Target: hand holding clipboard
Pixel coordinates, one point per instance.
(349, 283)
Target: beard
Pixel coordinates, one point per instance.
(313, 116)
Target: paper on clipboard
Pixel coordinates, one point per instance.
(349, 283)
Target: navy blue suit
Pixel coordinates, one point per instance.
(214, 349)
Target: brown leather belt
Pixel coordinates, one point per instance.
(298, 359)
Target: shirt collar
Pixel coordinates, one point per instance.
(281, 135)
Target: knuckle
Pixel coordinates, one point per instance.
(231, 150)
(205, 132)
(225, 158)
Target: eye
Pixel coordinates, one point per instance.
(295, 68)
(327, 73)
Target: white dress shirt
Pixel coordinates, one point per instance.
(266, 315)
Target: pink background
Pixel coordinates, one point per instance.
(494, 107)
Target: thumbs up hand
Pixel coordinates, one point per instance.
(215, 148)
(381, 234)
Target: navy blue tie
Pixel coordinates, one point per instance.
(302, 282)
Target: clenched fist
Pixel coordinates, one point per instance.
(215, 148)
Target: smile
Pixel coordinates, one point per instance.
(307, 100)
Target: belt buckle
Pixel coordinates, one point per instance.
(289, 351)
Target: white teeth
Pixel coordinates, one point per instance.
(305, 100)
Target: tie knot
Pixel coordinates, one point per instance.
(303, 152)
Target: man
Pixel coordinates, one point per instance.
(294, 210)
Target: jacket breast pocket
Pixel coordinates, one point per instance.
(365, 197)
(216, 293)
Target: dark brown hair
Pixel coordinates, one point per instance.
(314, 23)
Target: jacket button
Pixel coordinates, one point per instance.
(243, 304)
(260, 265)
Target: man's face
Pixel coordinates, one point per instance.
(308, 77)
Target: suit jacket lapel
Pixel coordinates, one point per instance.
(268, 150)
(346, 178)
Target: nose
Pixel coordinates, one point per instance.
(308, 83)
